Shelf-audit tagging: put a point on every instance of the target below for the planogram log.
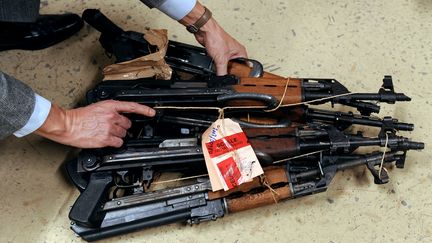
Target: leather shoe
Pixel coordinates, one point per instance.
(48, 30)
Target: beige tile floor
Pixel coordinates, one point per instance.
(356, 42)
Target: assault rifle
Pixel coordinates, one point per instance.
(232, 91)
(135, 165)
(299, 159)
(207, 89)
(257, 118)
(195, 203)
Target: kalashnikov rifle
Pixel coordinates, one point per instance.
(282, 117)
(233, 91)
(137, 163)
(195, 203)
(127, 45)
(100, 212)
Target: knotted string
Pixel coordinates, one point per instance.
(263, 181)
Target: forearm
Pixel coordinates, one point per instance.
(219, 44)
(55, 124)
(17, 105)
(187, 12)
(196, 12)
(94, 126)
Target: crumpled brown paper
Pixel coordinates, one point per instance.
(152, 65)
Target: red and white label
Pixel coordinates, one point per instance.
(230, 159)
(230, 172)
(227, 144)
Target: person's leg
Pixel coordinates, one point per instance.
(19, 10)
(21, 26)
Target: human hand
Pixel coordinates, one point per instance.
(219, 45)
(94, 126)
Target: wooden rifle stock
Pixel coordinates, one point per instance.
(242, 70)
(270, 86)
(256, 200)
(276, 148)
(269, 83)
(272, 175)
(267, 132)
(250, 200)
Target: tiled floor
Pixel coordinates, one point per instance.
(356, 42)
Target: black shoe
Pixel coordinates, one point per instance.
(48, 30)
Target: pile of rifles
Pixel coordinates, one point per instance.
(299, 146)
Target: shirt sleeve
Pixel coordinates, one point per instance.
(37, 118)
(176, 9)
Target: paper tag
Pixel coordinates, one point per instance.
(230, 159)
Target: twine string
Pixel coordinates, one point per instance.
(383, 157)
(296, 157)
(282, 98)
(179, 179)
(221, 110)
(274, 193)
(222, 115)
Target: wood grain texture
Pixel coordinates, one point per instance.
(273, 175)
(277, 148)
(250, 201)
(270, 86)
(242, 71)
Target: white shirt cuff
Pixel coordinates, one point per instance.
(38, 117)
(177, 9)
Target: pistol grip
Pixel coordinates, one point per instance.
(86, 210)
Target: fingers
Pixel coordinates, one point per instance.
(123, 122)
(221, 67)
(240, 53)
(221, 63)
(131, 107)
(109, 136)
(117, 131)
(114, 142)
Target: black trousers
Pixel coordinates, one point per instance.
(19, 10)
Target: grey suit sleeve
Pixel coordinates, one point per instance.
(17, 102)
(153, 3)
(19, 10)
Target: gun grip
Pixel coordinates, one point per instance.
(86, 209)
